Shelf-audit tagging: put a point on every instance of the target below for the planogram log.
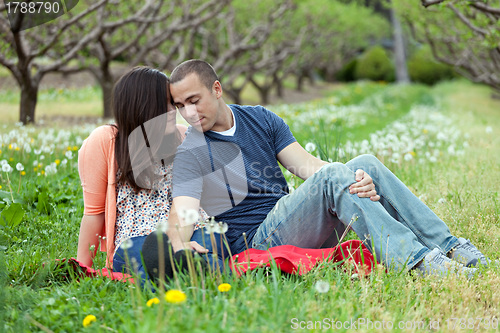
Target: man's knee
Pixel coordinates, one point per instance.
(366, 162)
(336, 173)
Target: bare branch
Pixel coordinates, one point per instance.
(427, 3)
(467, 21)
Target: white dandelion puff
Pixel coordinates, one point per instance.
(127, 244)
(68, 154)
(310, 147)
(322, 286)
(19, 167)
(7, 168)
(489, 129)
(441, 200)
(188, 216)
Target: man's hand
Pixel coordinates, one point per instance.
(364, 186)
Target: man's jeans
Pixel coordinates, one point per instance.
(400, 228)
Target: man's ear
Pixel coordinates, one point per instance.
(217, 89)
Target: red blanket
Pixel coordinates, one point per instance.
(288, 258)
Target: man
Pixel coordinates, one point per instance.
(229, 163)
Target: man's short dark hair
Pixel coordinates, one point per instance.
(203, 69)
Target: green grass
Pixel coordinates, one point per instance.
(35, 296)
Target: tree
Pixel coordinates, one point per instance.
(464, 34)
(233, 42)
(138, 38)
(30, 54)
(336, 33)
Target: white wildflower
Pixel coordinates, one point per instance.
(127, 244)
(188, 216)
(68, 154)
(221, 227)
(322, 286)
(310, 147)
(19, 167)
(489, 129)
(441, 200)
(7, 168)
(3, 162)
(408, 157)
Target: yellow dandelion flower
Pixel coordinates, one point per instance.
(0, 187)
(23, 173)
(10, 146)
(58, 161)
(425, 130)
(68, 148)
(175, 296)
(75, 148)
(87, 321)
(224, 287)
(17, 149)
(43, 172)
(413, 153)
(32, 140)
(11, 159)
(152, 301)
(0, 151)
(35, 169)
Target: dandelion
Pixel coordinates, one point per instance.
(23, 173)
(69, 154)
(57, 162)
(19, 167)
(2, 162)
(408, 157)
(87, 321)
(441, 200)
(489, 129)
(0, 187)
(152, 301)
(188, 216)
(310, 147)
(221, 228)
(175, 296)
(322, 286)
(38, 151)
(7, 168)
(127, 244)
(224, 287)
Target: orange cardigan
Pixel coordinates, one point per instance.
(97, 168)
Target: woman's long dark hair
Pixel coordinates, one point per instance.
(139, 96)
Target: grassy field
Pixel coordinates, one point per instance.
(442, 141)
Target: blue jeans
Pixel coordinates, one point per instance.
(217, 262)
(399, 229)
(134, 264)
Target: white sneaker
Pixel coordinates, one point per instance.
(467, 254)
(436, 263)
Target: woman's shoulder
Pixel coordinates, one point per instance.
(100, 138)
(102, 134)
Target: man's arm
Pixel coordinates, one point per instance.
(179, 233)
(302, 164)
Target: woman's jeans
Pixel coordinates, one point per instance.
(400, 229)
(129, 260)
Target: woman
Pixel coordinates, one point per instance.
(126, 171)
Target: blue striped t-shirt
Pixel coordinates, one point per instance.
(236, 178)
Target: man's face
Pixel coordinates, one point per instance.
(196, 103)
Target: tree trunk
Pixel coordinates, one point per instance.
(29, 96)
(399, 50)
(300, 81)
(107, 82)
(279, 85)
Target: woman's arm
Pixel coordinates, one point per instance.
(90, 230)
